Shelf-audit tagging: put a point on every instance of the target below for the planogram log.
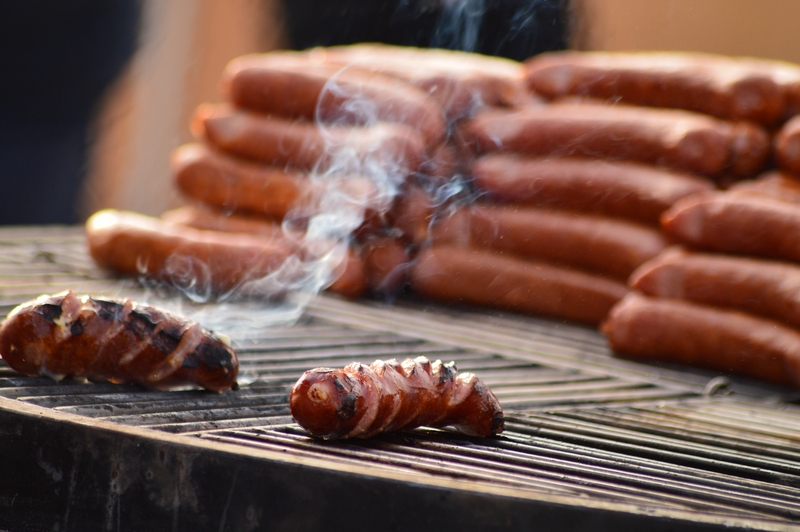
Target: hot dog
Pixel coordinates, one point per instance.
(241, 186)
(459, 275)
(588, 242)
(360, 401)
(728, 341)
(294, 84)
(118, 340)
(203, 261)
(725, 87)
(394, 148)
(679, 140)
(460, 82)
(736, 223)
(766, 288)
(625, 190)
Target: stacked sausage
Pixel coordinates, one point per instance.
(729, 297)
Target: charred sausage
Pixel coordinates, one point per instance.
(360, 401)
(118, 340)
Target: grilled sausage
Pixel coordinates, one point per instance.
(458, 275)
(241, 186)
(727, 341)
(679, 140)
(394, 148)
(626, 190)
(360, 401)
(461, 82)
(766, 288)
(207, 262)
(294, 84)
(593, 243)
(736, 223)
(118, 340)
(725, 87)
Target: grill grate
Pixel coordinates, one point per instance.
(580, 425)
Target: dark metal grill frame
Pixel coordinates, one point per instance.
(591, 442)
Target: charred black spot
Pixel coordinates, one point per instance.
(338, 385)
(211, 354)
(498, 423)
(347, 408)
(76, 329)
(165, 343)
(107, 310)
(50, 312)
(448, 372)
(140, 324)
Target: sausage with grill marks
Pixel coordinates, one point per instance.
(360, 401)
(118, 340)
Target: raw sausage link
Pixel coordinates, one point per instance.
(457, 275)
(293, 84)
(766, 288)
(118, 340)
(627, 190)
(776, 185)
(669, 330)
(208, 262)
(725, 87)
(233, 184)
(736, 223)
(360, 401)
(396, 148)
(460, 82)
(679, 140)
(587, 242)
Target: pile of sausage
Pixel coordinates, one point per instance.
(559, 186)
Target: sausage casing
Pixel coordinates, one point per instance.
(118, 340)
(360, 401)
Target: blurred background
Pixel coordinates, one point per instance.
(97, 93)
